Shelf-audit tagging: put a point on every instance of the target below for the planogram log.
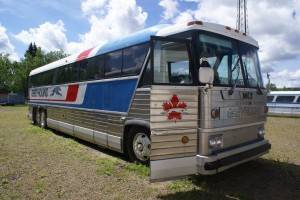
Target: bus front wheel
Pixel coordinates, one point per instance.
(139, 146)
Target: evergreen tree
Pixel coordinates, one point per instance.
(32, 50)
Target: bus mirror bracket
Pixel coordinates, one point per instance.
(206, 76)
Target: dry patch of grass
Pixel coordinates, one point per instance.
(42, 164)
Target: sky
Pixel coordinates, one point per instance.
(73, 26)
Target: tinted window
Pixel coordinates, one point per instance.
(133, 59)
(62, 74)
(113, 64)
(298, 100)
(270, 98)
(75, 72)
(285, 99)
(84, 73)
(97, 67)
(146, 77)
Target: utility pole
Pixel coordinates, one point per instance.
(242, 17)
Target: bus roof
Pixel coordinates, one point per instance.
(144, 36)
(282, 93)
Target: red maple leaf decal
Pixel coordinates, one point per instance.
(174, 108)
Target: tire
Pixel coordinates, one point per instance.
(43, 122)
(139, 145)
(38, 117)
(34, 111)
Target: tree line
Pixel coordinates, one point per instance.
(14, 74)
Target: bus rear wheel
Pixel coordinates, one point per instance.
(139, 146)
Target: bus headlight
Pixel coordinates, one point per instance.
(215, 141)
(261, 132)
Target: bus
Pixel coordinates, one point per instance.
(184, 99)
(284, 103)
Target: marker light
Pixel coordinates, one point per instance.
(195, 23)
(215, 113)
(228, 28)
(185, 139)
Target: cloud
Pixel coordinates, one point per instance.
(170, 9)
(274, 24)
(51, 37)
(286, 78)
(5, 46)
(109, 19)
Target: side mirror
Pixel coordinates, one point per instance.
(206, 75)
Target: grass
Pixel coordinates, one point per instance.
(42, 164)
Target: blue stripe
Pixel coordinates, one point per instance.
(133, 39)
(112, 96)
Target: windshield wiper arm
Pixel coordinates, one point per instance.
(238, 74)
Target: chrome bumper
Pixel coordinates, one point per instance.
(224, 160)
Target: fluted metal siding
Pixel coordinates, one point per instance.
(166, 135)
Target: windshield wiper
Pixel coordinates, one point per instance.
(238, 74)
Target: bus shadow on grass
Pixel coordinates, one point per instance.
(257, 179)
(98, 150)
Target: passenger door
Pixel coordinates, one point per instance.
(173, 110)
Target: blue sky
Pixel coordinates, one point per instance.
(75, 26)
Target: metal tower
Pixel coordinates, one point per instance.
(242, 17)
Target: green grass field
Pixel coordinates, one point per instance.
(43, 164)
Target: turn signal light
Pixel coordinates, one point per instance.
(185, 139)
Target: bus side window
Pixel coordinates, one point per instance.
(113, 64)
(270, 98)
(84, 72)
(97, 67)
(285, 99)
(61, 75)
(75, 72)
(133, 58)
(146, 77)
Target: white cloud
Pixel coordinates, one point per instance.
(5, 46)
(89, 7)
(170, 9)
(286, 78)
(51, 37)
(109, 19)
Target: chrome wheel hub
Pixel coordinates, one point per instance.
(141, 146)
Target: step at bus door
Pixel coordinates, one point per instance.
(173, 111)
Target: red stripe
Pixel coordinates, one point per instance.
(72, 93)
(84, 54)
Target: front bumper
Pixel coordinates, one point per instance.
(224, 160)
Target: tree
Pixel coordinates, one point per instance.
(5, 73)
(14, 76)
(31, 51)
(272, 86)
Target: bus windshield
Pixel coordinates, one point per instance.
(234, 63)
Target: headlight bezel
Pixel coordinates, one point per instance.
(215, 141)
